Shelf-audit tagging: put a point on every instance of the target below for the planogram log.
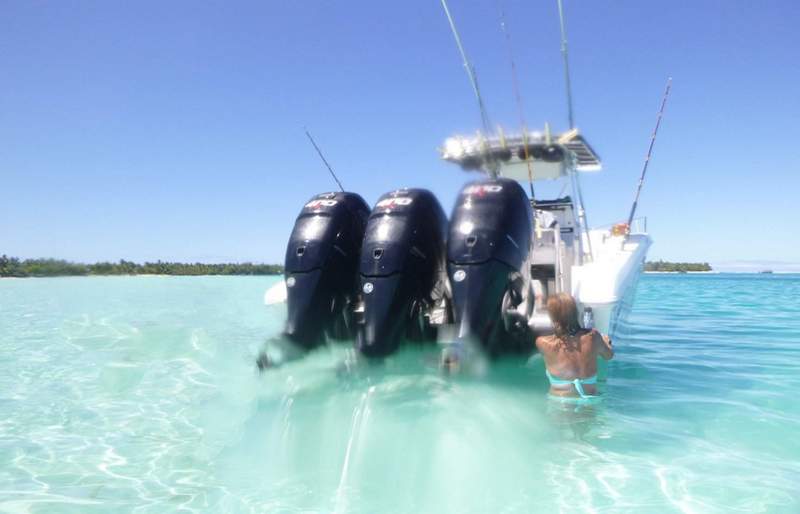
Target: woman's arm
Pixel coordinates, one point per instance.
(603, 344)
(541, 344)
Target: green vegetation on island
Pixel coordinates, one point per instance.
(13, 267)
(676, 267)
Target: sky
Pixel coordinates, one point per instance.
(174, 130)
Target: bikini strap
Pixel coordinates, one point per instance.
(577, 383)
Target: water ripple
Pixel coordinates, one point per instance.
(139, 395)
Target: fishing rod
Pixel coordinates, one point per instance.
(649, 154)
(565, 56)
(319, 152)
(518, 96)
(473, 80)
(571, 118)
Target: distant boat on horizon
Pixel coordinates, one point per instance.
(766, 271)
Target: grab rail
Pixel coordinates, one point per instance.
(638, 226)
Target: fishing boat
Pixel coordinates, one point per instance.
(599, 266)
(402, 271)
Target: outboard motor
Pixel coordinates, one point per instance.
(321, 268)
(402, 270)
(488, 244)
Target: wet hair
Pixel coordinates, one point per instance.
(564, 314)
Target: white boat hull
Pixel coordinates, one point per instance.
(608, 283)
(276, 294)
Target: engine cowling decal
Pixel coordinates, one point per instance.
(482, 189)
(388, 203)
(316, 204)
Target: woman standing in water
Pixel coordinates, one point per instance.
(570, 354)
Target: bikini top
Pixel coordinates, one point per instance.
(577, 382)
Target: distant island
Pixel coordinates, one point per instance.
(14, 267)
(676, 267)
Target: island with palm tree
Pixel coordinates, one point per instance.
(676, 267)
(14, 267)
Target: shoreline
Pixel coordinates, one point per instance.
(680, 272)
(713, 272)
(147, 275)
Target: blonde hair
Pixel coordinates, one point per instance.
(564, 314)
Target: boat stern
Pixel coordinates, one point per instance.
(607, 284)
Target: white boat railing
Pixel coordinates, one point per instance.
(638, 226)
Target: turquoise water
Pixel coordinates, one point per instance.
(138, 394)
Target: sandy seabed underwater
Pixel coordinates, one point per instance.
(140, 395)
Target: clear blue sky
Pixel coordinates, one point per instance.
(173, 130)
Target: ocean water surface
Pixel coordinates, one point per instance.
(140, 395)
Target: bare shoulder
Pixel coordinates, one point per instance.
(543, 341)
(591, 338)
(589, 335)
(602, 344)
(601, 338)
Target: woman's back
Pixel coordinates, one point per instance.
(571, 357)
(570, 354)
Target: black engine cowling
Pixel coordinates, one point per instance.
(402, 263)
(488, 243)
(321, 267)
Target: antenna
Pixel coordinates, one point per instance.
(564, 54)
(518, 96)
(473, 78)
(323, 158)
(649, 153)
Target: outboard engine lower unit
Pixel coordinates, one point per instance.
(402, 270)
(321, 267)
(488, 244)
